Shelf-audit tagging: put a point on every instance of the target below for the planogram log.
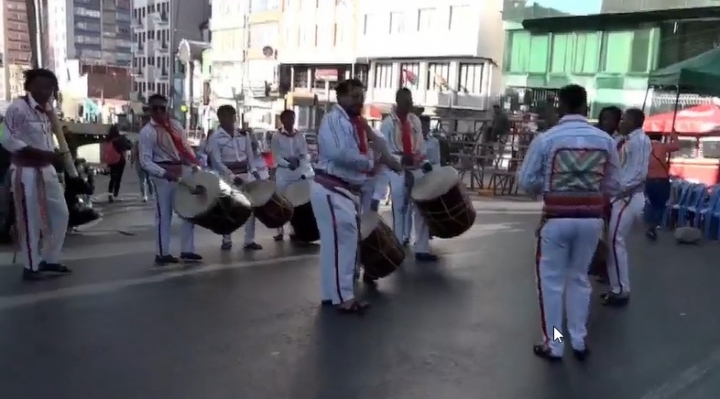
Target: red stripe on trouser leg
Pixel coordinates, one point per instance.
(159, 224)
(614, 241)
(336, 249)
(543, 322)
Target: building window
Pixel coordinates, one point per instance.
(409, 73)
(640, 60)
(587, 53)
(471, 78)
(262, 35)
(426, 19)
(438, 75)
(85, 12)
(561, 58)
(370, 24)
(460, 18)
(264, 5)
(397, 22)
(617, 51)
(383, 76)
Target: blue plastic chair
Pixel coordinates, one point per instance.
(696, 194)
(706, 205)
(681, 195)
(710, 218)
(677, 190)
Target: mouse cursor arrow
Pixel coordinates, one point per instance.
(557, 335)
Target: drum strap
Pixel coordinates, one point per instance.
(173, 167)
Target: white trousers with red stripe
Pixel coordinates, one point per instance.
(28, 214)
(164, 197)
(250, 224)
(337, 219)
(624, 214)
(404, 219)
(565, 250)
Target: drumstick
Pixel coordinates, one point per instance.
(194, 190)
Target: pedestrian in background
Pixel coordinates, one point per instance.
(657, 185)
(114, 151)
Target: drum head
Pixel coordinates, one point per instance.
(434, 184)
(298, 193)
(259, 192)
(188, 205)
(368, 222)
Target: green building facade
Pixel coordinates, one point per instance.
(610, 53)
(612, 65)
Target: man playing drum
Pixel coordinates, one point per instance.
(635, 148)
(575, 166)
(166, 156)
(344, 161)
(403, 133)
(232, 156)
(290, 152)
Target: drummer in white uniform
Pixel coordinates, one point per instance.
(290, 151)
(165, 155)
(231, 155)
(403, 133)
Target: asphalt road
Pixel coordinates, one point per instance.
(249, 325)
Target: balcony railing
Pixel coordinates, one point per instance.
(159, 19)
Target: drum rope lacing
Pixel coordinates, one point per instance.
(455, 213)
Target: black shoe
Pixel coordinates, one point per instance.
(294, 238)
(32, 275)
(326, 302)
(278, 237)
(190, 257)
(253, 246)
(651, 234)
(162, 260)
(406, 243)
(615, 300)
(426, 257)
(581, 355)
(226, 246)
(53, 268)
(543, 351)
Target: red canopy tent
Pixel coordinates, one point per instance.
(700, 119)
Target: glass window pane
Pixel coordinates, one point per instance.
(640, 51)
(591, 54)
(559, 52)
(519, 51)
(538, 62)
(618, 50)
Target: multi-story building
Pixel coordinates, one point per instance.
(609, 47)
(95, 32)
(158, 27)
(15, 48)
(229, 40)
(447, 52)
(318, 48)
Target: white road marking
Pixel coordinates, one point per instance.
(10, 302)
(674, 387)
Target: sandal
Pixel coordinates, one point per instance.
(356, 307)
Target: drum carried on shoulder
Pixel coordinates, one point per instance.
(441, 199)
(270, 208)
(218, 206)
(380, 251)
(303, 218)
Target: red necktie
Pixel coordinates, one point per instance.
(360, 132)
(406, 130)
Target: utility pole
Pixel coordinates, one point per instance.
(36, 27)
(245, 64)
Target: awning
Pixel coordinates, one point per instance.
(700, 119)
(700, 74)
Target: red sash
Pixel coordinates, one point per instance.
(406, 130)
(178, 143)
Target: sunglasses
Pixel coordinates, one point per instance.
(158, 108)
